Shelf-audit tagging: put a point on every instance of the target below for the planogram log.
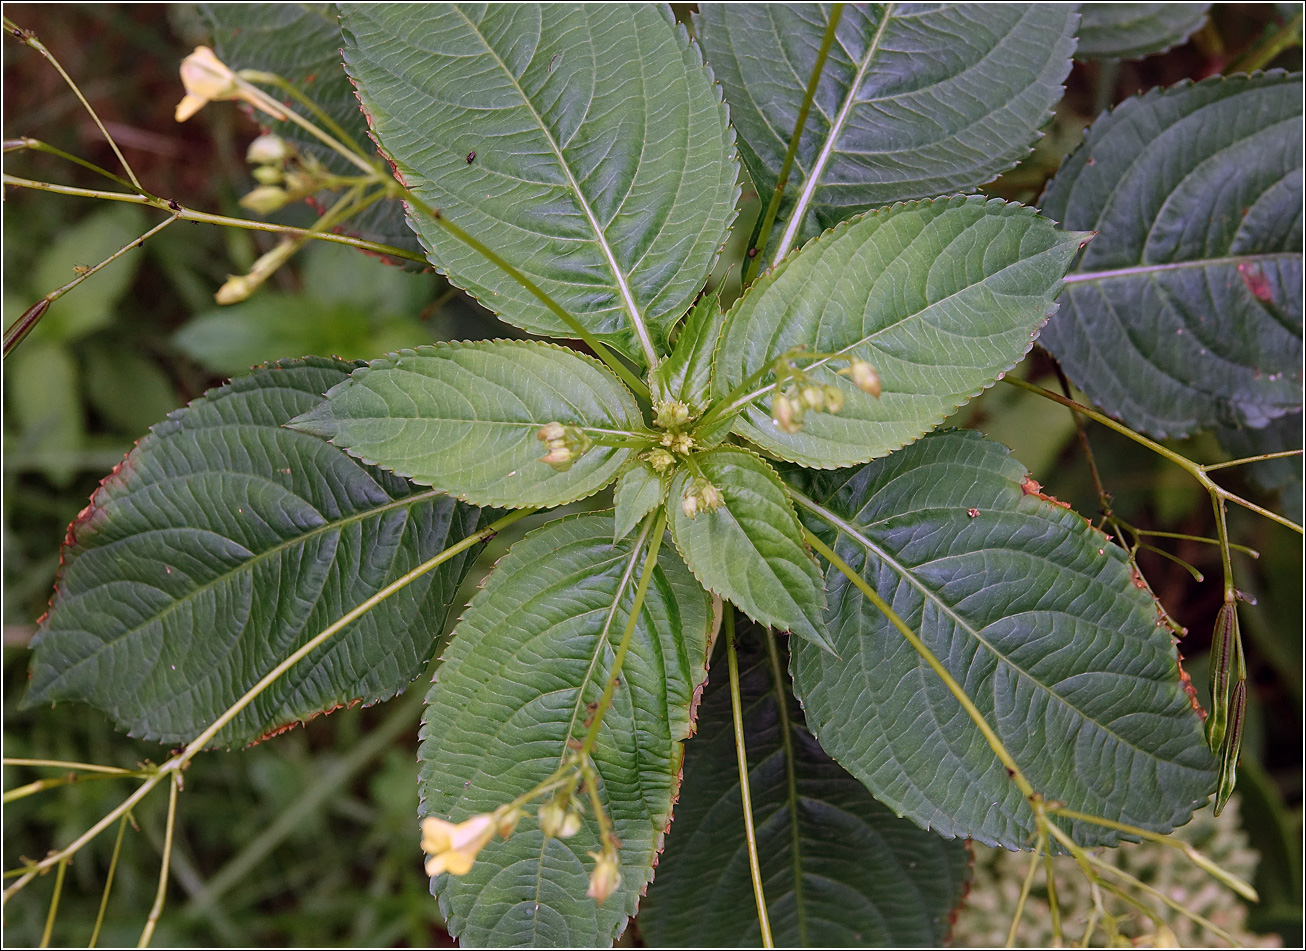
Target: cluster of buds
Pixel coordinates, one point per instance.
(566, 445)
(672, 414)
(660, 460)
(682, 443)
(701, 496)
(606, 877)
(801, 395)
(453, 847)
(284, 176)
(559, 818)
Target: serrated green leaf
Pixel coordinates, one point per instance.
(1186, 311)
(300, 42)
(638, 492)
(222, 543)
(850, 874)
(534, 648)
(915, 100)
(604, 166)
(750, 550)
(686, 375)
(941, 297)
(1135, 30)
(464, 417)
(89, 305)
(1036, 616)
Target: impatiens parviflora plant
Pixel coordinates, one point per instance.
(973, 660)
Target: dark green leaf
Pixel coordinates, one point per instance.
(941, 297)
(838, 868)
(300, 42)
(1135, 30)
(1036, 616)
(915, 100)
(750, 550)
(224, 542)
(534, 648)
(464, 417)
(585, 144)
(1186, 312)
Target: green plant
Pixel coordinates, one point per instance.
(973, 656)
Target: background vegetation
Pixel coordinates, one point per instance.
(309, 839)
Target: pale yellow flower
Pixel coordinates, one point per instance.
(453, 847)
(207, 78)
(606, 877)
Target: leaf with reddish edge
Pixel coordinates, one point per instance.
(220, 545)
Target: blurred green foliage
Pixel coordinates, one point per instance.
(310, 838)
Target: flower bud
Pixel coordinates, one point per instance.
(672, 414)
(606, 877)
(864, 375)
(660, 460)
(506, 820)
(833, 399)
(689, 504)
(265, 199)
(813, 397)
(557, 821)
(551, 431)
(709, 495)
(267, 175)
(787, 414)
(268, 150)
(559, 458)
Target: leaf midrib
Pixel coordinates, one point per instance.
(813, 179)
(853, 532)
(1080, 277)
(623, 288)
(253, 560)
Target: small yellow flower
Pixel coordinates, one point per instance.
(207, 78)
(453, 847)
(606, 877)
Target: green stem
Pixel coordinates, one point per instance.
(162, 893)
(187, 214)
(54, 903)
(990, 737)
(1261, 458)
(1152, 533)
(1261, 55)
(1197, 471)
(745, 794)
(63, 764)
(36, 145)
(1163, 898)
(605, 701)
(290, 89)
(636, 385)
(755, 253)
(41, 785)
(791, 784)
(1023, 899)
(20, 328)
(28, 37)
(178, 762)
(274, 108)
(108, 882)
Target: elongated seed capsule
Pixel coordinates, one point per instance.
(1223, 640)
(1232, 747)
